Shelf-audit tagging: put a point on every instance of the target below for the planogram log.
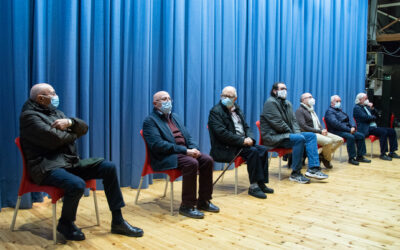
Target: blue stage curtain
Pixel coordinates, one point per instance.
(107, 58)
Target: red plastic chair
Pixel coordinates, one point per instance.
(280, 151)
(27, 186)
(391, 120)
(344, 141)
(172, 175)
(372, 138)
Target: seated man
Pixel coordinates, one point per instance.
(48, 142)
(309, 122)
(338, 123)
(171, 146)
(279, 128)
(229, 133)
(364, 114)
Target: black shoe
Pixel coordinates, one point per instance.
(126, 229)
(363, 159)
(257, 192)
(70, 231)
(394, 155)
(191, 212)
(353, 161)
(326, 163)
(385, 157)
(264, 188)
(207, 206)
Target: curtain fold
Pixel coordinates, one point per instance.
(106, 59)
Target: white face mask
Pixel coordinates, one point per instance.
(282, 93)
(366, 102)
(311, 102)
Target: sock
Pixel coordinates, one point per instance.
(253, 185)
(117, 217)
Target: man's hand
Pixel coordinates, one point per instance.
(193, 153)
(324, 132)
(61, 124)
(352, 130)
(248, 142)
(371, 105)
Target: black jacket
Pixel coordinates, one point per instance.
(337, 121)
(225, 143)
(46, 148)
(305, 121)
(277, 121)
(161, 143)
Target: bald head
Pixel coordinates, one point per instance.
(40, 89)
(159, 98)
(304, 97)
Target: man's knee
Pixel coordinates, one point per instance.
(76, 187)
(108, 168)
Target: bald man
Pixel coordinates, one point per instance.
(171, 146)
(48, 142)
(230, 133)
(309, 122)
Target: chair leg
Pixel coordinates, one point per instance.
(166, 186)
(172, 198)
(372, 149)
(222, 178)
(280, 165)
(96, 207)
(54, 224)
(138, 192)
(15, 213)
(236, 180)
(340, 153)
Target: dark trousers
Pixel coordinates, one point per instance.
(190, 166)
(383, 134)
(257, 164)
(72, 181)
(352, 140)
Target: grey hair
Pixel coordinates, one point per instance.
(36, 90)
(358, 97)
(230, 88)
(333, 97)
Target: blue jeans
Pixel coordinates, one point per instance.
(72, 181)
(297, 142)
(354, 139)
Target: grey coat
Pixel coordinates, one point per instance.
(277, 121)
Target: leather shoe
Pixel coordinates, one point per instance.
(257, 192)
(385, 157)
(363, 159)
(353, 161)
(264, 188)
(191, 212)
(126, 229)
(394, 155)
(326, 163)
(207, 206)
(70, 231)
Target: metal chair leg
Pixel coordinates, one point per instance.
(166, 185)
(372, 149)
(15, 213)
(96, 208)
(236, 180)
(340, 154)
(172, 198)
(280, 165)
(54, 224)
(138, 192)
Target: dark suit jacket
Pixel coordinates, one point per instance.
(225, 143)
(305, 121)
(161, 143)
(363, 119)
(337, 121)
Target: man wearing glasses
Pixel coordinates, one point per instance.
(171, 146)
(279, 129)
(309, 122)
(229, 133)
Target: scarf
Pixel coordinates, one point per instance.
(314, 116)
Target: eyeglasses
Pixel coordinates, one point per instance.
(308, 97)
(228, 96)
(164, 99)
(282, 88)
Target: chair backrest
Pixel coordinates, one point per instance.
(25, 174)
(146, 167)
(323, 119)
(260, 140)
(391, 120)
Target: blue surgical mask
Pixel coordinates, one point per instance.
(337, 105)
(227, 102)
(166, 107)
(55, 101)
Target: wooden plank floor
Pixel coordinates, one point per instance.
(357, 207)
